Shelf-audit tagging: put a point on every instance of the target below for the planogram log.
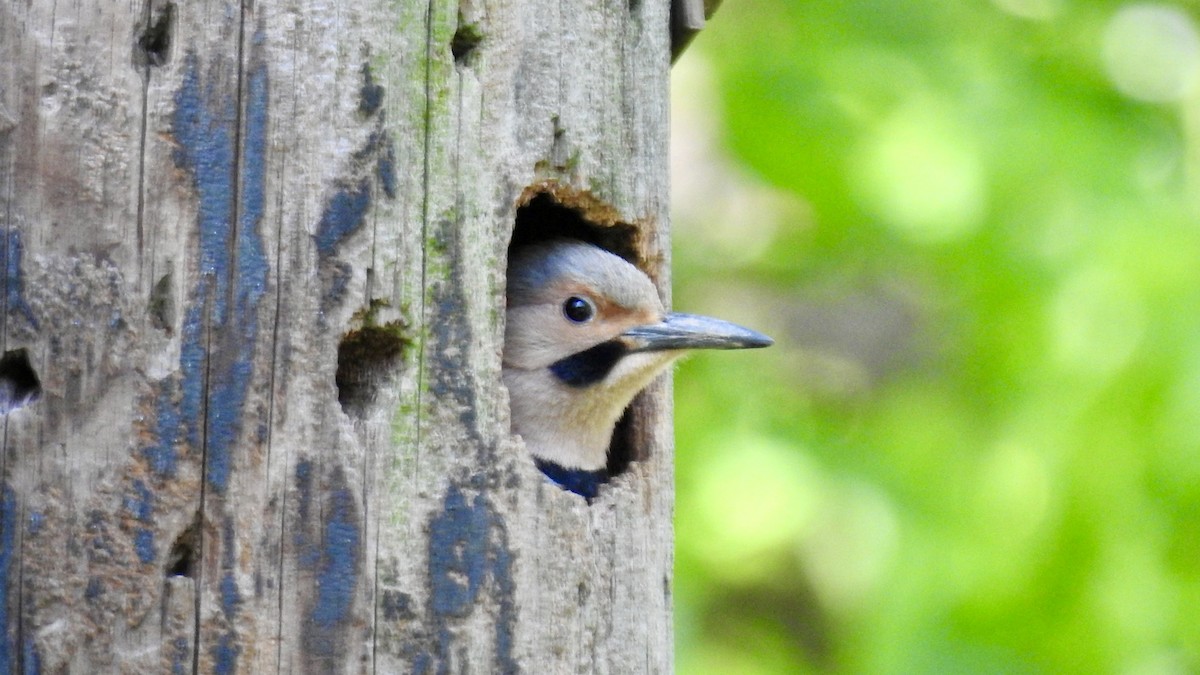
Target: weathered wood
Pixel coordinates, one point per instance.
(255, 255)
(688, 18)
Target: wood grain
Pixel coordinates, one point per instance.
(256, 254)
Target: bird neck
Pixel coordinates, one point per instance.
(581, 482)
(558, 423)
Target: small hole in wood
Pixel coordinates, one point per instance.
(546, 215)
(154, 44)
(185, 552)
(19, 383)
(368, 358)
(162, 305)
(465, 40)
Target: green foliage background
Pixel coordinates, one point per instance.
(972, 229)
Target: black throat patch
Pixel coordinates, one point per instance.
(590, 365)
(582, 482)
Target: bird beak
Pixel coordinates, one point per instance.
(690, 331)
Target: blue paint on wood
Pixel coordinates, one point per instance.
(161, 453)
(335, 561)
(8, 553)
(94, 589)
(204, 405)
(468, 557)
(445, 645)
(370, 103)
(143, 543)
(457, 554)
(98, 542)
(232, 258)
(306, 553)
(506, 620)
(204, 134)
(31, 661)
(231, 599)
(225, 654)
(337, 281)
(230, 382)
(396, 605)
(340, 550)
(181, 656)
(192, 356)
(370, 97)
(385, 168)
(343, 215)
(229, 543)
(204, 125)
(14, 293)
(140, 504)
(346, 210)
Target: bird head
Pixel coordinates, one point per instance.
(585, 332)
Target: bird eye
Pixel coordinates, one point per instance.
(578, 309)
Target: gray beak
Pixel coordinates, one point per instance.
(691, 331)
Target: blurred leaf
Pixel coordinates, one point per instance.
(975, 446)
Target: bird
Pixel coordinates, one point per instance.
(585, 331)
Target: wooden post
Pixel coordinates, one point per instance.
(254, 260)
